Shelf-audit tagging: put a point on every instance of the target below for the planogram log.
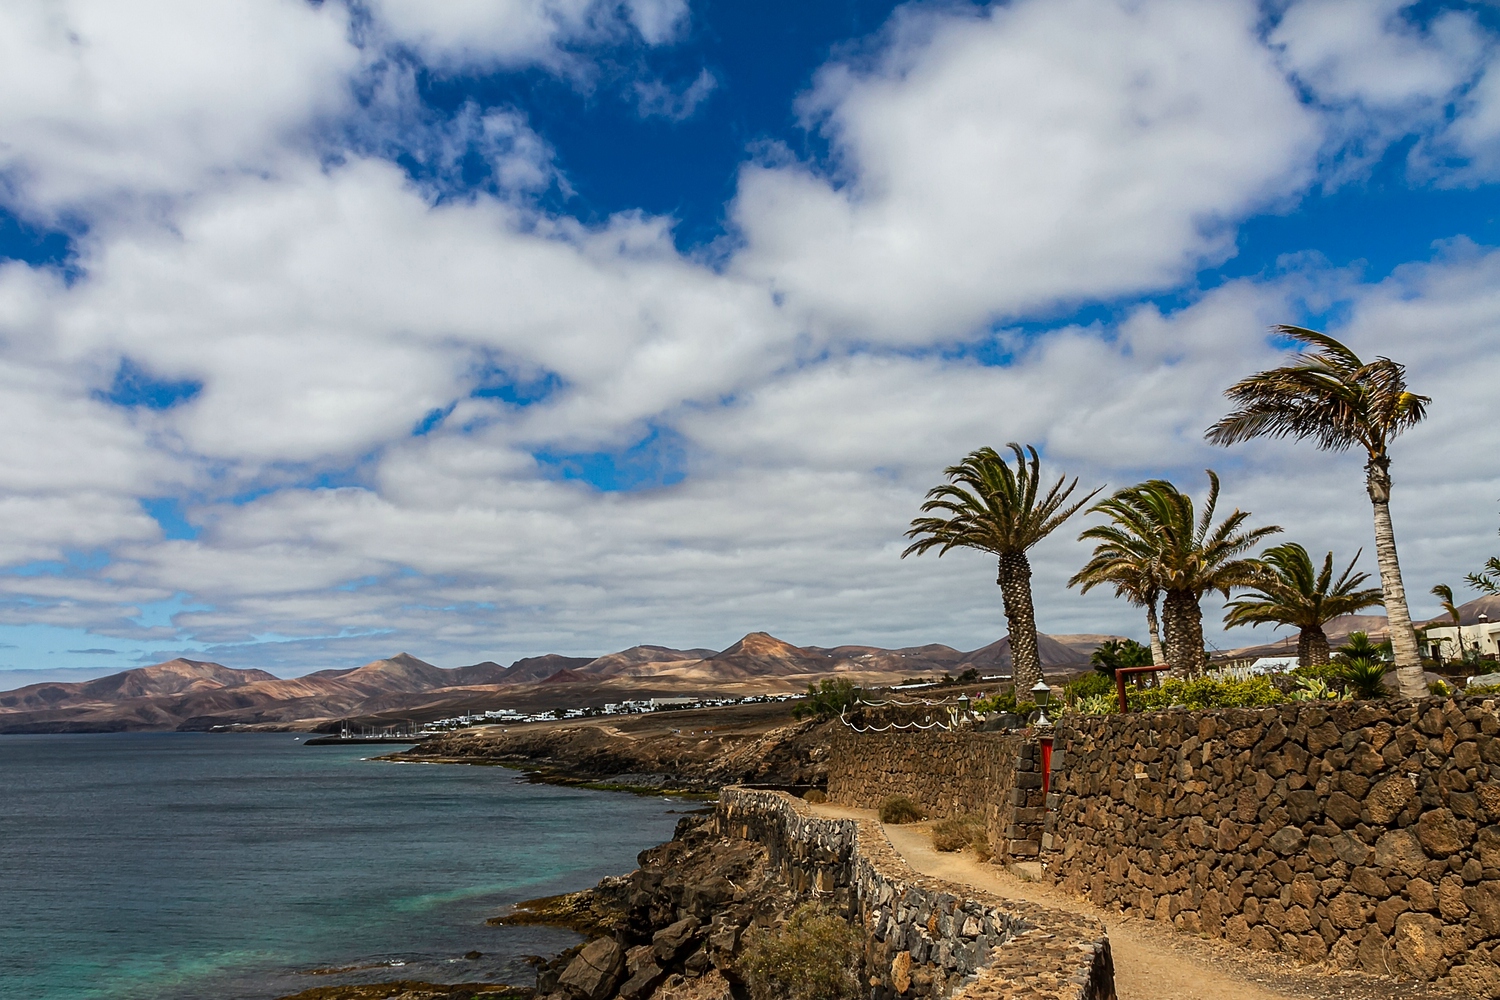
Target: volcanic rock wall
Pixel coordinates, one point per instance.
(1361, 832)
(996, 775)
(926, 937)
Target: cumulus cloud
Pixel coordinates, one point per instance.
(101, 99)
(342, 346)
(1008, 161)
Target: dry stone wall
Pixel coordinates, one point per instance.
(1365, 833)
(926, 937)
(996, 775)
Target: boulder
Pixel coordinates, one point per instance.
(673, 940)
(1419, 944)
(595, 970)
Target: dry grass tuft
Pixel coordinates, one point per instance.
(900, 809)
(958, 832)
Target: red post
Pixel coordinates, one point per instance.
(1046, 742)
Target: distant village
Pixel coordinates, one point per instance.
(631, 707)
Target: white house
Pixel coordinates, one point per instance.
(1440, 638)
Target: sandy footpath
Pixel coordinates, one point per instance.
(1152, 962)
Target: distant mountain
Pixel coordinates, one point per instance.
(538, 668)
(1468, 614)
(175, 677)
(189, 694)
(1337, 629)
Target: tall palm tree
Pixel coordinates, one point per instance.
(1328, 394)
(1125, 561)
(1289, 591)
(1190, 555)
(988, 506)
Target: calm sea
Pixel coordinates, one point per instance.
(168, 866)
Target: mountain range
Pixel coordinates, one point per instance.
(185, 694)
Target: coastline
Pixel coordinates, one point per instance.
(658, 758)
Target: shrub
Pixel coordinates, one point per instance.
(1328, 673)
(1115, 653)
(815, 796)
(814, 956)
(1315, 689)
(1439, 688)
(958, 832)
(827, 699)
(1482, 691)
(1205, 692)
(900, 809)
(1098, 704)
(1087, 686)
(1365, 677)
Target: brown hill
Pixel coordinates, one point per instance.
(174, 677)
(1468, 614)
(762, 655)
(539, 668)
(642, 661)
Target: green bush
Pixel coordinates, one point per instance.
(815, 795)
(1329, 673)
(814, 956)
(1205, 692)
(1482, 691)
(1002, 703)
(1364, 677)
(900, 809)
(827, 699)
(1113, 654)
(1087, 686)
(958, 832)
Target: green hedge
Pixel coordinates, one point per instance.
(1205, 692)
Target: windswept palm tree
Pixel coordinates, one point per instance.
(1190, 555)
(988, 506)
(1330, 395)
(1444, 594)
(1290, 592)
(1125, 562)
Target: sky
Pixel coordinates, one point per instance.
(492, 328)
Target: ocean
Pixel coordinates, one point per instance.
(166, 866)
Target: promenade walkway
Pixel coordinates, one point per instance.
(1152, 962)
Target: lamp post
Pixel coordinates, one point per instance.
(1042, 695)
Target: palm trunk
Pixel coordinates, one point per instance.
(1158, 656)
(1015, 589)
(1312, 647)
(1403, 637)
(1184, 621)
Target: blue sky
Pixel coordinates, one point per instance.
(502, 327)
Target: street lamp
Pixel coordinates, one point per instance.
(1041, 694)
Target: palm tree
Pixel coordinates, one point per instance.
(1330, 395)
(1488, 581)
(1444, 594)
(1190, 555)
(987, 506)
(1126, 562)
(1290, 592)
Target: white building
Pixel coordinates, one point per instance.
(1440, 638)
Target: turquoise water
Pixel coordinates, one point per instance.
(169, 866)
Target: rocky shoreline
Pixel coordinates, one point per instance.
(672, 929)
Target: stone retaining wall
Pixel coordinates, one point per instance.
(926, 937)
(996, 775)
(1366, 833)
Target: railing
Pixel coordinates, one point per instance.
(1120, 673)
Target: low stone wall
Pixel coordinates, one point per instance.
(996, 775)
(926, 937)
(1364, 833)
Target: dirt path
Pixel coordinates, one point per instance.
(1151, 962)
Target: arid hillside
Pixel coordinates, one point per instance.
(195, 695)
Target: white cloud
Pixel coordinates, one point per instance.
(1000, 163)
(1367, 51)
(99, 98)
(986, 165)
(456, 34)
(655, 99)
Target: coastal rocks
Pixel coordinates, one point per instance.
(594, 971)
